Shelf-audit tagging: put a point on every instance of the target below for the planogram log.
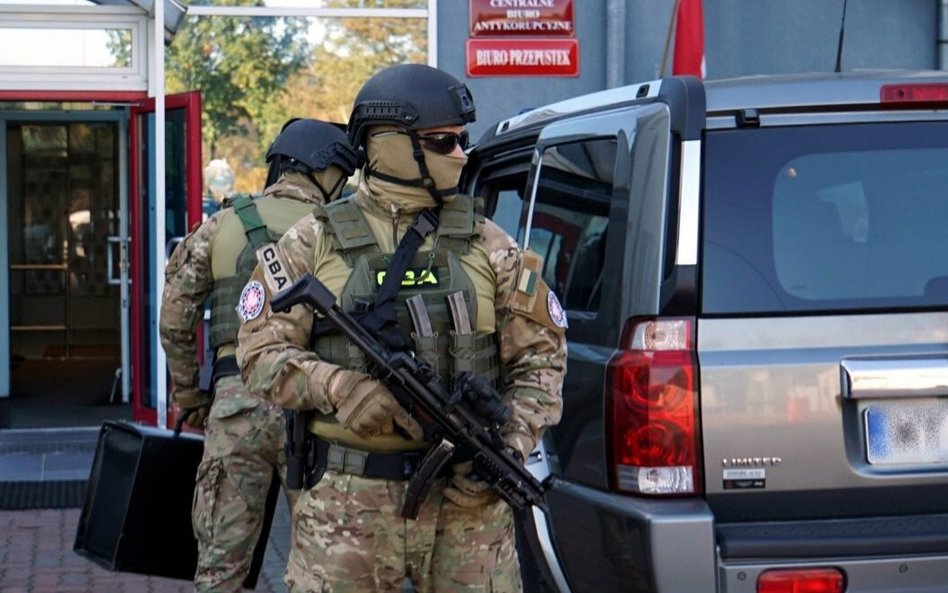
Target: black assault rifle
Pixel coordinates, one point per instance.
(444, 417)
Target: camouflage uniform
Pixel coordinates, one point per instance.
(349, 535)
(244, 435)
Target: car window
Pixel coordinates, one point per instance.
(570, 218)
(503, 197)
(826, 218)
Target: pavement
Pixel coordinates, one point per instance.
(36, 554)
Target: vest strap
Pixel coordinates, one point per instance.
(257, 232)
(226, 291)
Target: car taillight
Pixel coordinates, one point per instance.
(914, 93)
(652, 425)
(801, 580)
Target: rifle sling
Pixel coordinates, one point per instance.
(380, 319)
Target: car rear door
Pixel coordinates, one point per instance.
(823, 337)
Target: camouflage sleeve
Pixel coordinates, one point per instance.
(188, 282)
(273, 348)
(531, 332)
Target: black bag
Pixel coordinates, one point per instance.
(137, 512)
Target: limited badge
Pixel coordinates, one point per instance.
(557, 314)
(251, 301)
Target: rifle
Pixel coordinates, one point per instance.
(445, 418)
(300, 452)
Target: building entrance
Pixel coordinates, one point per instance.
(64, 208)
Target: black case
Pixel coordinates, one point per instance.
(137, 512)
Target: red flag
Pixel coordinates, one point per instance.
(689, 39)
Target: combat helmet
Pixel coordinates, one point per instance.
(307, 145)
(414, 96)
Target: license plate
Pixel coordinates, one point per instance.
(907, 433)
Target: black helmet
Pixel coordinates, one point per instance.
(414, 96)
(312, 145)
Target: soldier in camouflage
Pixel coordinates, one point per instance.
(244, 435)
(507, 326)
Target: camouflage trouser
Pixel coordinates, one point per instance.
(349, 538)
(243, 444)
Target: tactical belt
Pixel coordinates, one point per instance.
(225, 366)
(381, 466)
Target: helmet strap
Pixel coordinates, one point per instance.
(427, 181)
(437, 194)
(274, 171)
(327, 195)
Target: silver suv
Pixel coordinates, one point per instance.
(756, 278)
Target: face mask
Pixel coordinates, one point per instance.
(389, 152)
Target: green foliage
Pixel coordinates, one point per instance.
(255, 73)
(238, 64)
(351, 50)
(119, 42)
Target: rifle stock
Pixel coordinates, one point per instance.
(412, 384)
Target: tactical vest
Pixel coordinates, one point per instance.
(226, 291)
(434, 275)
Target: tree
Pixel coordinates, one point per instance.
(238, 64)
(254, 74)
(349, 52)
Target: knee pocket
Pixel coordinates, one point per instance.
(227, 408)
(207, 488)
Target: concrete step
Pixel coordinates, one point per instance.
(47, 454)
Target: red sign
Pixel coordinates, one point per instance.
(522, 57)
(548, 18)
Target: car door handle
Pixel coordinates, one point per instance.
(894, 377)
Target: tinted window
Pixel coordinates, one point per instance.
(570, 219)
(826, 218)
(503, 197)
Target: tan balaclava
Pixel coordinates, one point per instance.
(389, 153)
(329, 181)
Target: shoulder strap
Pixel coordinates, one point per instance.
(349, 230)
(349, 224)
(458, 226)
(257, 232)
(457, 217)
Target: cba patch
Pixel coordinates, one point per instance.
(251, 301)
(273, 269)
(555, 309)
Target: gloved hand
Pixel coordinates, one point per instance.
(520, 444)
(193, 402)
(368, 408)
(468, 490)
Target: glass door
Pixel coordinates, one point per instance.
(63, 204)
(182, 211)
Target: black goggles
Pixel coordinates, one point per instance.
(444, 142)
(437, 142)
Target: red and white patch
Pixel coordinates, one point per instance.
(251, 301)
(555, 309)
